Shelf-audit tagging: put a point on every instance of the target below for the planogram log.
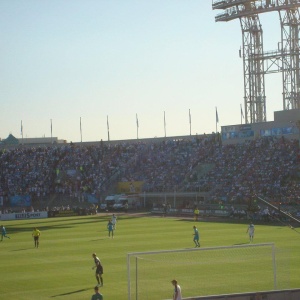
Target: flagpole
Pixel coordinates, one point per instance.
(217, 120)
(107, 128)
(190, 120)
(22, 131)
(165, 123)
(80, 131)
(137, 126)
(51, 130)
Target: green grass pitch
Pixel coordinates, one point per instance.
(62, 266)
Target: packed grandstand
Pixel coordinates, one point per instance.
(227, 174)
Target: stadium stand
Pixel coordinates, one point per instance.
(229, 175)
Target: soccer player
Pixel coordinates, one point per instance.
(36, 237)
(196, 214)
(99, 269)
(196, 237)
(3, 233)
(114, 220)
(110, 228)
(177, 290)
(126, 207)
(251, 230)
(97, 295)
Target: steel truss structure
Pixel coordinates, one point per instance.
(256, 62)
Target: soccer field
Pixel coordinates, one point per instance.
(61, 267)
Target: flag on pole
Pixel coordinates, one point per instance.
(137, 126)
(217, 117)
(242, 114)
(80, 131)
(21, 128)
(107, 128)
(51, 126)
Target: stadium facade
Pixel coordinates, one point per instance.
(286, 124)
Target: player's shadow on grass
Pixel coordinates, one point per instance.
(70, 293)
(241, 244)
(22, 249)
(100, 239)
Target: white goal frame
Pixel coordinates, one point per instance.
(136, 254)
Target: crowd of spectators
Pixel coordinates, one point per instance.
(268, 167)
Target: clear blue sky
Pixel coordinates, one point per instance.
(70, 59)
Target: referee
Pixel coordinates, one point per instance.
(36, 236)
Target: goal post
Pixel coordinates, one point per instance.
(207, 271)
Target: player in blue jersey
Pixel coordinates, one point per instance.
(110, 227)
(97, 295)
(196, 237)
(3, 233)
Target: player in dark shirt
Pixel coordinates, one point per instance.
(99, 269)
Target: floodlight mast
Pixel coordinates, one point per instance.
(256, 62)
(290, 21)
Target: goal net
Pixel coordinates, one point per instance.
(207, 271)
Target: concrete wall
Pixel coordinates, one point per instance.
(293, 294)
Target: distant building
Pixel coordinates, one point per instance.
(13, 141)
(43, 141)
(10, 140)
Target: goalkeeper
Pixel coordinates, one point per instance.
(99, 269)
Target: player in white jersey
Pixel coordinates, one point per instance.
(177, 290)
(250, 231)
(114, 220)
